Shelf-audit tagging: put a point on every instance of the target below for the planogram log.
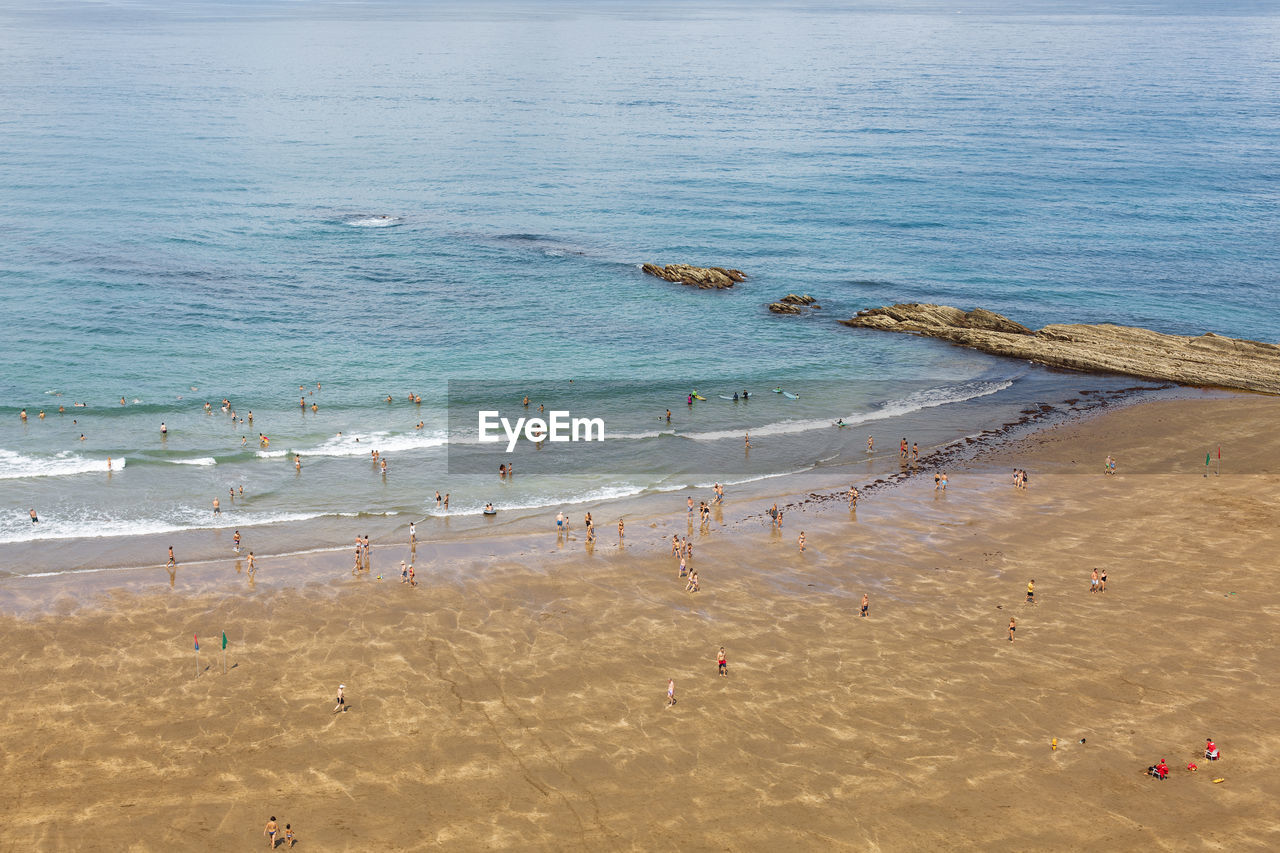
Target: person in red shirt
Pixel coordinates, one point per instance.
(1210, 749)
(1162, 770)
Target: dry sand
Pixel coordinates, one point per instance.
(517, 702)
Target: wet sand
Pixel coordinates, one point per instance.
(518, 701)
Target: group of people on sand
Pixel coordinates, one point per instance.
(273, 829)
(1019, 478)
(1160, 770)
(906, 452)
(1098, 580)
(682, 549)
(1109, 465)
(364, 553)
(940, 481)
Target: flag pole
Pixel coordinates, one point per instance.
(1219, 472)
(197, 636)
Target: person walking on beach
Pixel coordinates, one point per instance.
(722, 664)
(944, 481)
(446, 501)
(692, 585)
(1013, 626)
(620, 533)
(689, 502)
(253, 564)
(1031, 591)
(902, 449)
(748, 441)
(342, 699)
(871, 444)
(800, 541)
(1093, 581)
(217, 507)
(1102, 581)
(172, 562)
(34, 518)
(773, 514)
(404, 572)
(235, 542)
(853, 497)
(413, 534)
(559, 522)
(437, 499)
(288, 835)
(671, 692)
(866, 604)
(270, 831)
(915, 452)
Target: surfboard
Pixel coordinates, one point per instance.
(724, 397)
(699, 397)
(790, 396)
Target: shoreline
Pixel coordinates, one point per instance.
(525, 533)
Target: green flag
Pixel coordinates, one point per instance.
(1206, 459)
(224, 640)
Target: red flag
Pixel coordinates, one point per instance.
(1219, 451)
(197, 642)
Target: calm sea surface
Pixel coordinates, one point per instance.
(204, 201)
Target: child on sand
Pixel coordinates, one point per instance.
(866, 604)
(671, 692)
(288, 829)
(1013, 626)
(800, 541)
(1031, 591)
(722, 663)
(342, 702)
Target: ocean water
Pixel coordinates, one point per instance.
(208, 201)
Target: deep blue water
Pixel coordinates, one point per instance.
(189, 193)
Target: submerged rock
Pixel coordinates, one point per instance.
(707, 278)
(794, 304)
(1206, 360)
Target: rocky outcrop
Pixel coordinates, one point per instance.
(1207, 360)
(707, 278)
(794, 304)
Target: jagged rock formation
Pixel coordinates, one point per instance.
(793, 304)
(1207, 360)
(707, 278)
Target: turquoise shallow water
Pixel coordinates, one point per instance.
(191, 197)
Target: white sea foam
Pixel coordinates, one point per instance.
(603, 493)
(375, 221)
(913, 402)
(17, 465)
(89, 523)
(360, 444)
(203, 460)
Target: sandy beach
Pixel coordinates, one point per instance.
(518, 702)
